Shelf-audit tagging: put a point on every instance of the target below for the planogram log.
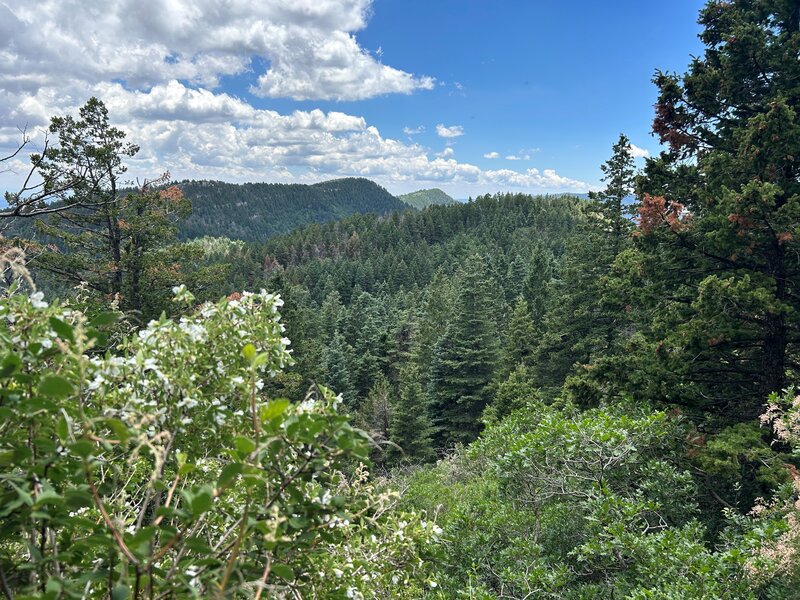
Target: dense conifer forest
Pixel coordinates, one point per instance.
(345, 396)
(255, 211)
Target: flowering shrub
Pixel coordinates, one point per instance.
(159, 469)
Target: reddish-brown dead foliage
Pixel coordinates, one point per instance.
(172, 193)
(656, 211)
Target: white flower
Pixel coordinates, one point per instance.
(37, 300)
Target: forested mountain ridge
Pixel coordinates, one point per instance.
(256, 211)
(424, 198)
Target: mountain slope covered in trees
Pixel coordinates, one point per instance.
(257, 211)
(424, 198)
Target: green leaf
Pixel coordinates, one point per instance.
(53, 586)
(261, 359)
(64, 330)
(229, 473)
(201, 501)
(10, 364)
(119, 428)
(83, 448)
(273, 409)
(244, 446)
(249, 352)
(283, 571)
(120, 592)
(104, 318)
(55, 386)
(62, 428)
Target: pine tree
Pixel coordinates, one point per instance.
(364, 329)
(585, 322)
(376, 415)
(410, 427)
(520, 337)
(464, 359)
(511, 394)
(337, 370)
(536, 286)
(619, 177)
(106, 234)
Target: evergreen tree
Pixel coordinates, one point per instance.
(511, 394)
(464, 359)
(618, 174)
(336, 369)
(516, 276)
(520, 337)
(719, 250)
(536, 286)
(410, 427)
(363, 328)
(330, 314)
(376, 415)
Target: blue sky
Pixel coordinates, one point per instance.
(528, 95)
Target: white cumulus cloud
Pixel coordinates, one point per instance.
(449, 132)
(491, 155)
(637, 152)
(157, 65)
(414, 130)
(305, 49)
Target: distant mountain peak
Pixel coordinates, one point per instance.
(424, 198)
(256, 211)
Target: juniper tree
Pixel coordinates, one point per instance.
(719, 225)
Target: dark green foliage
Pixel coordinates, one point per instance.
(719, 233)
(411, 426)
(425, 198)
(521, 337)
(517, 391)
(337, 369)
(257, 211)
(618, 174)
(103, 236)
(465, 358)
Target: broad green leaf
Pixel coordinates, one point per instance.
(229, 473)
(55, 386)
(120, 592)
(274, 408)
(104, 318)
(10, 364)
(244, 446)
(64, 330)
(283, 571)
(83, 448)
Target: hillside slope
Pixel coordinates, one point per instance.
(257, 211)
(424, 198)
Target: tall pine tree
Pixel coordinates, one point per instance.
(410, 428)
(465, 358)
